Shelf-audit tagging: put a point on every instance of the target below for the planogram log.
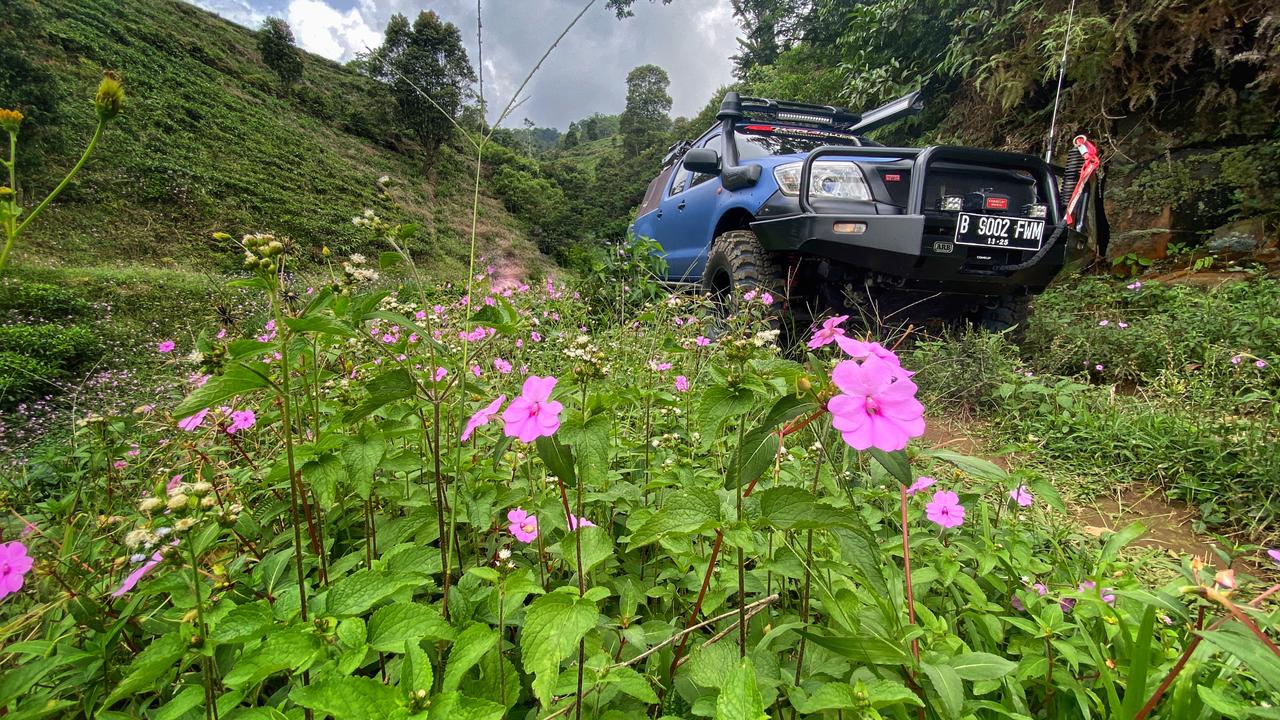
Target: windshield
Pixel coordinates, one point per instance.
(754, 141)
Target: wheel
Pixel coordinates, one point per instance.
(1005, 314)
(737, 264)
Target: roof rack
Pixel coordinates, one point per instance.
(824, 116)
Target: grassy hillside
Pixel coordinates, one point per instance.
(208, 142)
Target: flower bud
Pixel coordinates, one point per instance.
(221, 237)
(10, 120)
(803, 385)
(201, 488)
(6, 193)
(177, 501)
(150, 505)
(110, 98)
(208, 502)
(325, 251)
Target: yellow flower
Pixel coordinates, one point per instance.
(110, 98)
(10, 120)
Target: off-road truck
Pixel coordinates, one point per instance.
(795, 199)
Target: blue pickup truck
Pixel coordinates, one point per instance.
(793, 198)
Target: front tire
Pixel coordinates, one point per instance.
(1005, 314)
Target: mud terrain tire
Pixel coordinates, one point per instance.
(1005, 314)
(738, 263)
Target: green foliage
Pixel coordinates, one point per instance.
(40, 301)
(276, 47)
(428, 72)
(644, 121)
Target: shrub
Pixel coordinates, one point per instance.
(63, 347)
(40, 301)
(23, 377)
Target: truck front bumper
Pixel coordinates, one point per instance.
(918, 251)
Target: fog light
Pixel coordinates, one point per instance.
(1037, 211)
(856, 228)
(952, 203)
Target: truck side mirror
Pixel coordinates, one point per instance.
(702, 160)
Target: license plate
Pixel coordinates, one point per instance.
(1004, 232)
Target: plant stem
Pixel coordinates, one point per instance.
(906, 571)
(210, 708)
(8, 243)
(286, 409)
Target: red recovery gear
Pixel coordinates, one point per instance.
(1091, 164)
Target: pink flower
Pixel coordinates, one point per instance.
(165, 346)
(1103, 323)
(766, 298)
(1274, 555)
(1040, 589)
(440, 373)
(1260, 364)
(1099, 367)
(482, 417)
(859, 350)
(502, 366)
(191, 423)
(523, 525)
(476, 370)
(534, 414)
(1135, 286)
(878, 406)
(1225, 579)
(659, 366)
(749, 295)
(120, 464)
(14, 566)
(241, 420)
(1122, 325)
(945, 509)
(1106, 594)
(682, 383)
(702, 341)
(173, 483)
(828, 333)
(1016, 602)
(576, 522)
(535, 336)
(141, 571)
(1237, 359)
(1021, 495)
(920, 484)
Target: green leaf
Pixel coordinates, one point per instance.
(740, 697)
(553, 624)
(243, 623)
(186, 699)
(323, 476)
(285, 649)
(236, 379)
(711, 666)
(720, 402)
(557, 457)
(455, 706)
(975, 666)
(977, 467)
(1135, 686)
(388, 387)
(788, 407)
(947, 687)
(860, 550)
(362, 589)
(350, 698)
(391, 625)
(683, 512)
(1239, 642)
(472, 645)
(597, 547)
(895, 463)
(415, 673)
(883, 693)
(866, 649)
(758, 450)
(787, 507)
(156, 659)
(1116, 541)
(632, 683)
(319, 324)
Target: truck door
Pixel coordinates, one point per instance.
(685, 218)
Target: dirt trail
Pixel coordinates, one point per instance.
(1170, 524)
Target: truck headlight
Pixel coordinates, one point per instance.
(838, 180)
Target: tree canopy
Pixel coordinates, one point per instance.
(276, 46)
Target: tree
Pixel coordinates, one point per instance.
(428, 72)
(645, 121)
(276, 46)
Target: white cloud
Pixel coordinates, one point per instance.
(237, 11)
(324, 30)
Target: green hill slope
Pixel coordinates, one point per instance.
(208, 143)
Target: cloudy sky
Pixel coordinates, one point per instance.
(691, 39)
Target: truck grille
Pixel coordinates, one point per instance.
(956, 179)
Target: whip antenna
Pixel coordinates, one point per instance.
(1062, 74)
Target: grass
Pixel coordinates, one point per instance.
(1169, 408)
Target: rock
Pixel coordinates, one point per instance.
(1141, 233)
(1239, 238)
